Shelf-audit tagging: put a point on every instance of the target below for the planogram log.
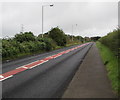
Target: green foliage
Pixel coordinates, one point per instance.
(22, 37)
(111, 65)
(50, 44)
(95, 38)
(26, 43)
(58, 36)
(9, 48)
(111, 40)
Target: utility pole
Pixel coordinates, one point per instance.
(22, 28)
(42, 21)
(43, 16)
(72, 30)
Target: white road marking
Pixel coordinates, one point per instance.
(25, 67)
(19, 67)
(38, 64)
(6, 78)
(43, 61)
(1, 76)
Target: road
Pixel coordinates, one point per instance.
(41, 77)
(91, 79)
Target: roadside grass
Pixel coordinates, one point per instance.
(73, 43)
(111, 63)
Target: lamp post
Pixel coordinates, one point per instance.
(72, 30)
(43, 15)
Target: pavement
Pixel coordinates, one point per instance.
(42, 76)
(90, 80)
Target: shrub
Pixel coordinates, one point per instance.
(58, 36)
(50, 44)
(22, 37)
(111, 40)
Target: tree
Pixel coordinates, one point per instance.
(95, 38)
(50, 44)
(58, 36)
(80, 38)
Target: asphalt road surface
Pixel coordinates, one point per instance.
(41, 77)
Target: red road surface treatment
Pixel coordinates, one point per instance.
(34, 64)
(11, 73)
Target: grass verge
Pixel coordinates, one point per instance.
(111, 63)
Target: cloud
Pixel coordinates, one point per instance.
(92, 18)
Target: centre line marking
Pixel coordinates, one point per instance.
(1, 76)
(35, 63)
(6, 78)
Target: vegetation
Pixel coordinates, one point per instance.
(95, 38)
(58, 36)
(22, 37)
(111, 63)
(109, 50)
(26, 43)
(111, 40)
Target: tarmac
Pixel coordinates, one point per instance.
(91, 80)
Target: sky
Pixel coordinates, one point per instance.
(92, 18)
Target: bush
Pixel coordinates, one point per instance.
(50, 44)
(111, 40)
(26, 43)
(58, 36)
(22, 37)
(41, 46)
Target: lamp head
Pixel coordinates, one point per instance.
(51, 5)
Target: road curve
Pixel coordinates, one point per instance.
(42, 76)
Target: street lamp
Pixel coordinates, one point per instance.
(72, 31)
(51, 5)
(43, 14)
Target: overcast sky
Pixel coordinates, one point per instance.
(92, 18)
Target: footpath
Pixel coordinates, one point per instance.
(90, 81)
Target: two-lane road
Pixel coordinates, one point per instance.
(42, 76)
